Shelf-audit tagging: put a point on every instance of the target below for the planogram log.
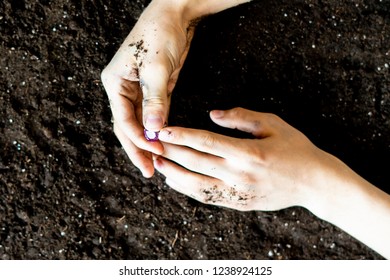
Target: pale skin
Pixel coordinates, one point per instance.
(278, 169)
(141, 76)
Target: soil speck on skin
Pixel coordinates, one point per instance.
(139, 51)
(67, 188)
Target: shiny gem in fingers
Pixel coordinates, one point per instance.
(151, 135)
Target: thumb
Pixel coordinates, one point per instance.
(244, 120)
(155, 104)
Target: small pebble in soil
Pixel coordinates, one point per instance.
(151, 135)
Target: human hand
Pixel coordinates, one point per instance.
(276, 170)
(141, 76)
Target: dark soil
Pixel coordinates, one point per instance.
(68, 190)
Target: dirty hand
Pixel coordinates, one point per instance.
(273, 171)
(141, 76)
(278, 169)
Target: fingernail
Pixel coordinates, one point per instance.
(154, 122)
(217, 113)
(165, 135)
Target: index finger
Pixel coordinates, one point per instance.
(204, 141)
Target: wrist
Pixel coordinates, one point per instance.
(336, 186)
(193, 9)
(354, 205)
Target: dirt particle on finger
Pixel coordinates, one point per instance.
(227, 196)
(139, 51)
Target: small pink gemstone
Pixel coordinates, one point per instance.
(151, 135)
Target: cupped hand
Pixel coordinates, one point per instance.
(141, 76)
(274, 169)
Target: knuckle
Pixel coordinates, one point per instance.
(108, 78)
(105, 74)
(208, 141)
(237, 112)
(246, 179)
(272, 118)
(256, 126)
(108, 71)
(258, 155)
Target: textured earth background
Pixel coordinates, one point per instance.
(68, 190)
